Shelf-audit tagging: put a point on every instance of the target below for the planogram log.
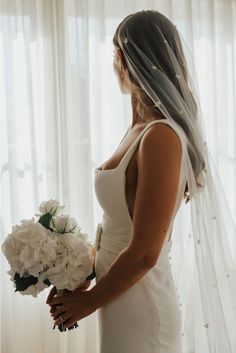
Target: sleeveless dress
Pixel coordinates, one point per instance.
(146, 318)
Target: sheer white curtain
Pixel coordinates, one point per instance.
(62, 115)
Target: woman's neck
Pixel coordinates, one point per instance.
(136, 120)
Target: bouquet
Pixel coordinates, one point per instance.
(51, 250)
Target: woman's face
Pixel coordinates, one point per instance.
(117, 63)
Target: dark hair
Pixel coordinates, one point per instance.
(139, 24)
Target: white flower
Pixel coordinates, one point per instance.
(18, 245)
(48, 251)
(34, 289)
(11, 248)
(29, 248)
(29, 232)
(50, 206)
(63, 224)
(46, 257)
(83, 236)
(61, 254)
(74, 262)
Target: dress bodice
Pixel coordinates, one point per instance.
(115, 231)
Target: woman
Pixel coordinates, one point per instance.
(161, 160)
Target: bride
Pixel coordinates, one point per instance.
(161, 161)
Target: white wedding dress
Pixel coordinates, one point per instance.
(146, 318)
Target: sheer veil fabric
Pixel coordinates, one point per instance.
(159, 60)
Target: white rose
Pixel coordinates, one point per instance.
(63, 224)
(50, 206)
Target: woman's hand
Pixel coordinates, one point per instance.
(83, 286)
(74, 306)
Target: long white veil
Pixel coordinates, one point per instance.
(159, 61)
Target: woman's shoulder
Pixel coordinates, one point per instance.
(161, 136)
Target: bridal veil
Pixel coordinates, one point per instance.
(204, 269)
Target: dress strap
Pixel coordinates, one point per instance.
(124, 162)
(129, 153)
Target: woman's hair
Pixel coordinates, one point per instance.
(139, 25)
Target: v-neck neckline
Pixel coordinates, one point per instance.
(98, 170)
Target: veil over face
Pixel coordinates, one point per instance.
(205, 272)
(119, 72)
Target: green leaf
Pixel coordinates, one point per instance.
(47, 282)
(22, 283)
(45, 220)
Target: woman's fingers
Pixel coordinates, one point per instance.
(60, 310)
(84, 285)
(52, 292)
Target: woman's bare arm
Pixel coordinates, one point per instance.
(158, 159)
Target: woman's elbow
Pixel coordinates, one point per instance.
(144, 260)
(150, 260)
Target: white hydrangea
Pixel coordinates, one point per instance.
(61, 254)
(29, 248)
(34, 289)
(74, 262)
